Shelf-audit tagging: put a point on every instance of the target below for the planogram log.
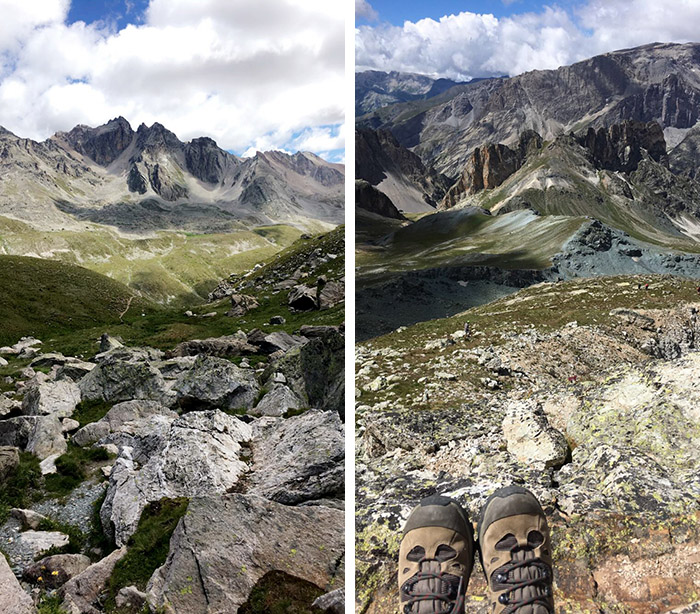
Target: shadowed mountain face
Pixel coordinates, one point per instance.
(112, 168)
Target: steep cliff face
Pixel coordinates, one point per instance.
(103, 145)
(620, 147)
(383, 162)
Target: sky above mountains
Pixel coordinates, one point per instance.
(252, 75)
(482, 38)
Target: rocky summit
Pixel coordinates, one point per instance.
(188, 473)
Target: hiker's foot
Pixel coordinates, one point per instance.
(516, 553)
(436, 558)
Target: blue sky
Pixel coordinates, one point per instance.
(396, 13)
(241, 72)
(118, 13)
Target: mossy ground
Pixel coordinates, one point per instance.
(280, 593)
(73, 468)
(147, 547)
(23, 487)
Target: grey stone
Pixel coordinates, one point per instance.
(47, 438)
(56, 570)
(75, 370)
(303, 298)
(9, 461)
(28, 518)
(41, 541)
(131, 598)
(261, 536)
(13, 598)
(216, 383)
(276, 402)
(52, 398)
(199, 456)
(81, 593)
(331, 294)
(298, 459)
(333, 602)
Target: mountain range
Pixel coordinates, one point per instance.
(168, 218)
(148, 179)
(586, 170)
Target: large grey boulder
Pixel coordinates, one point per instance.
(13, 599)
(8, 405)
(37, 542)
(298, 459)
(331, 294)
(276, 402)
(274, 342)
(303, 298)
(81, 593)
(216, 383)
(47, 438)
(231, 345)
(75, 370)
(16, 431)
(200, 456)
(213, 566)
(125, 374)
(135, 418)
(52, 398)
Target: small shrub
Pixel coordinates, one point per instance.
(90, 411)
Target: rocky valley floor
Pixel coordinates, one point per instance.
(194, 464)
(583, 391)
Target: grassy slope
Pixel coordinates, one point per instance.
(168, 267)
(69, 307)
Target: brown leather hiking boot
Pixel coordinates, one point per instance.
(516, 553)
(436, 558)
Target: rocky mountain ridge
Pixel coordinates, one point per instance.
(80, 173)
(656, 82)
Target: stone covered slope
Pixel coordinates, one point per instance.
(246, 426)
(106, 175)
(583, 392)
(656, 82)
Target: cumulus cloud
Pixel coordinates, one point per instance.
(364, 10)
(470, 45)
(237, 71)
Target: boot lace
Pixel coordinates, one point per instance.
(445, 590)
(516, 596)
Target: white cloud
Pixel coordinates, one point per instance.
(237, 71)
(470, 45)
(364, 10)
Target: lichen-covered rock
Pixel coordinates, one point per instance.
(52, 398)
(40, 541)
(200, 455)
(530, 438)
(276, 402)
(46, 438)
(216, 383)
(13, 598)
(228, 346)
(9, 461)
(135, 418)
(298, 459)
(210, 570)
(81, 593)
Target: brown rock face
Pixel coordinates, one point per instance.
(619, 147)
(489, 166)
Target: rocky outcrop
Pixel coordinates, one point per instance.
(212, 570)
(198, 455)
(223, 347)
(380, 156)
(370, 199)
(241, 304)
(103, 145)
(621, 147)
(206, 161)
(489, 166)
(57, 398)
(299, 459)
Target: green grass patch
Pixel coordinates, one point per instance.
(77, 539)
(50, 604)
(279, 593)
(73, 468)
(147, 548)
(90, 411)
(23, 487)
